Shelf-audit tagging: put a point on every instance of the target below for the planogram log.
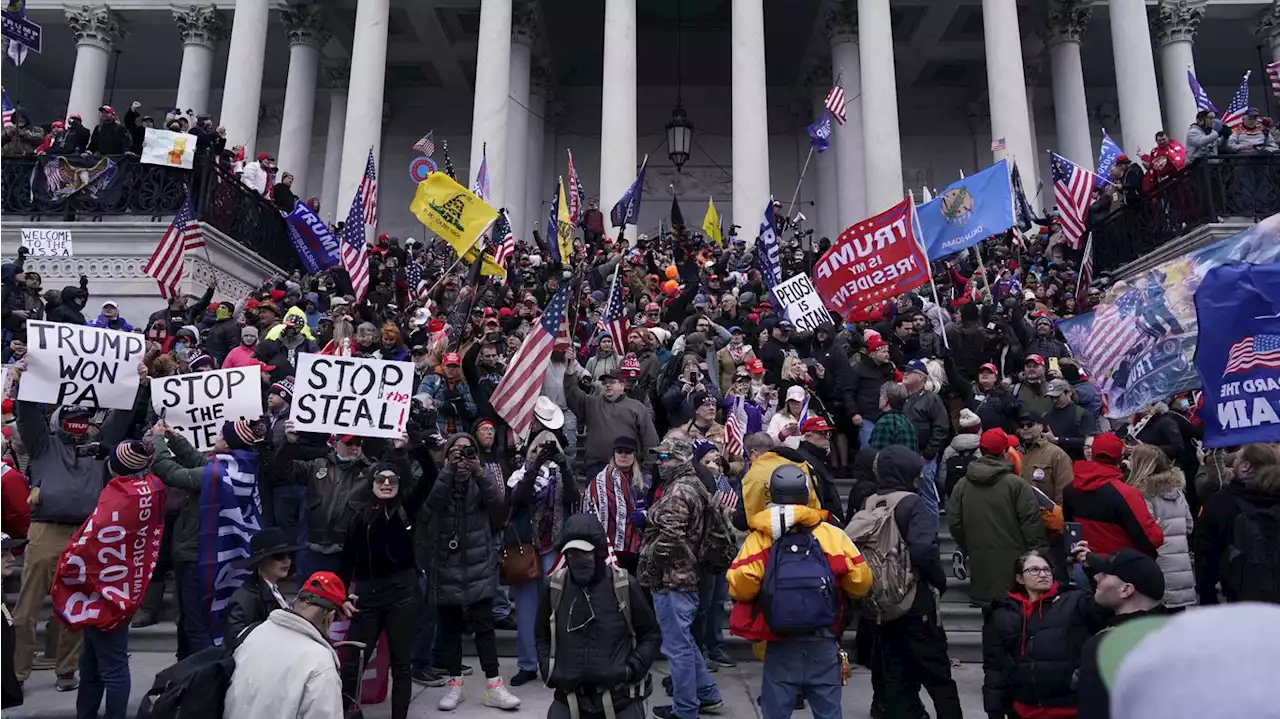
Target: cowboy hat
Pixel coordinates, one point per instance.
(266, 543)
(548, 414)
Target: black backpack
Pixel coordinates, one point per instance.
(194, 688)
(957, 464)
(1253, 559)
(798, 594)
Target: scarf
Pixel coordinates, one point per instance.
(230, 512)
(547, 488)
(610, 498)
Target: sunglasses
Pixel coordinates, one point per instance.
(664, 456)
(386, 479)
(1026, 425)
(281, 557)
(624, 450)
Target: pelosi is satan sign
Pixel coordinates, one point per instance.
(351, 395)
(872, 261)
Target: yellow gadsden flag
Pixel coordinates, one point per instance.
(711, 223)
(456, 214)
(564, 227)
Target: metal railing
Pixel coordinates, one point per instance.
(1241, 186)
(41, 188)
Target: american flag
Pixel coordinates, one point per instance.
(166, 263)
(517, 393)
(999, 145)
(735, 428)
(835, 103)
(1273, 74)
(8, 107)
(505, 247)
(369, 191)
(427, 145)
(1115, 331)
(1086, 275)
(1072, 190)
(481, 186)
(1253, 351)
(614, 320)
(417, 283)
(1239, 104)
(575, 192)
(1202, 98)
(355, 251)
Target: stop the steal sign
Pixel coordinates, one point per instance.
(351, 395)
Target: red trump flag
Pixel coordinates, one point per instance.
(872, 261)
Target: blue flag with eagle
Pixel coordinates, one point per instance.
(967, 212)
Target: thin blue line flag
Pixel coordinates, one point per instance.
(1107, 156)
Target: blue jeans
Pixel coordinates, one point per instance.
(929, 487)
(193, 611)
(708, 628)
(801, 668)
(864, 432)
(526, 597)
(502, 595)
(104, 669)
(691, 683)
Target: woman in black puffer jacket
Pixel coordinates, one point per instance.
(1031, 644)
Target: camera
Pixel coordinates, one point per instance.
(468, 452)
(91, 449)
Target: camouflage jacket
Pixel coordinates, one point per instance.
(675, 526)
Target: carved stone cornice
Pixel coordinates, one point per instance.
(1067, 21)
(336, 76)
(1176, 20)
(304, 25)
(841, 22)
(1268, 26)
(203, 25)
(525, 28)
(540, 80)
(96, 25)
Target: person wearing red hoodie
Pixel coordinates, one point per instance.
(1111, 514)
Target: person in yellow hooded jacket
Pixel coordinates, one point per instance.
(801, 625)
(293, 334)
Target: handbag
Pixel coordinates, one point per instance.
(518, 562)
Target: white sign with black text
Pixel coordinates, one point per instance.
(47, 242)
(351, 395)
(197, 404)
(803, 305)
(83, 366)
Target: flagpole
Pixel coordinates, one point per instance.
(432, 289)
(796, 194)
(928, 268)
(1088, 250)
(983, 269)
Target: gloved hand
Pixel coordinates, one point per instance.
(605, 676)
(638, 517)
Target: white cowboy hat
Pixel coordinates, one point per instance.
(548, 414)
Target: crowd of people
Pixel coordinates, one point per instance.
(656, 482)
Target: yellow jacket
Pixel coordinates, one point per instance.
(747, 571)
(274, 332)
(755, 485)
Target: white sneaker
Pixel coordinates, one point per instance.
(497, 696)
(453, 697)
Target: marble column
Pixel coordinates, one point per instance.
(1268, 29)
(96, 29)
(1007, 86)
(202, 28)
(1176, 22)
(1135, 75)
(822, 171)
(750, 105)
(337, 78)
(846, 139)
(524, 35)
(493, 85)
(881, 140)
(307, 35)
(535, 141)
(363, 130)
(618, 160)
(1068, 20)
(242, 92)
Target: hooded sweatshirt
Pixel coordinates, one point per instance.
(994, 518)
(1112, 514)
(70, 309)
(69, 483)
(1212, 541)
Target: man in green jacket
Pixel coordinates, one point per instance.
(994, 518)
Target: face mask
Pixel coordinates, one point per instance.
(582, 568)
(179, 347)
(1181, 405)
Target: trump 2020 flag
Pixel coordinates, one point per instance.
(768, 254)
(627, 210)
(1107, 156)
(1238, 354)
(230, 513)
(820, 132)
(967, 211)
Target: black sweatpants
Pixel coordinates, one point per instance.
(391, 607)
(449, 627)
(912, 652)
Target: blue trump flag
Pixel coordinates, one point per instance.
(230, 513)
(768, 254)
(1238, 354)
(967, 212)
(627, 210)
(315, 243)
(820, 132)
(552, 236)
(1107, 156)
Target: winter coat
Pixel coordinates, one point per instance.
(928, 415)
(180, 466)
(23, 142)
(1071, 424)
(70, 484)
(1087, 396)
(254, 176)
(962, 444)
(998, 409)
(968, 347)
(1200, 143)
(17, 298)
(1031, 649)
(118, 323)
(110, 138)
(223, 337)
(1047, 467)
(607, 420)
(455, 408)
(1162, 430)
(1211, 543)
(331, 485)
(1112, 514)
(674, 529)
(746, 574)
(240, 356)
(603, 654)
(1031, 397)
(1244, 140)
(862, 394)
(1093, 698)
(1166, 497)
(253, 602)
(465, 514)
(755, 483)
(285, 668)
(898, 470)
(994, 518)
(728, 365)
(70, 309)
